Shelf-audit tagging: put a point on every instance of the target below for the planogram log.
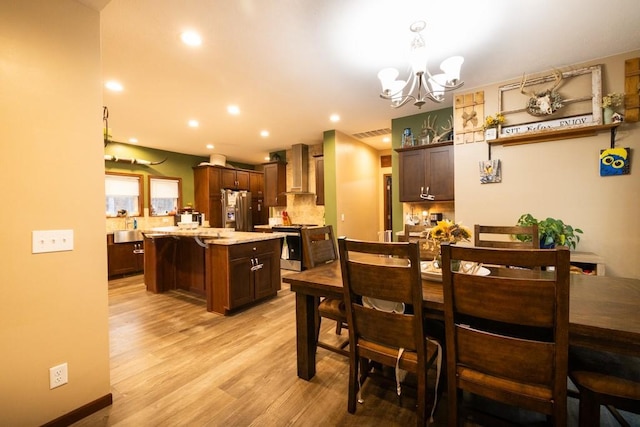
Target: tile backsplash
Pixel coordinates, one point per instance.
(144, 222)
(302, 209)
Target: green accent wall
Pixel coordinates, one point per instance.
(330, 184)
(177, 165)
(398, 125)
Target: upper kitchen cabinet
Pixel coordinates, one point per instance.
(426, 173)
(256, 184)
(275, 184)
(319, 163)
(260, 214)
(234, 179)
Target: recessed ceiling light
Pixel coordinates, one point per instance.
(194, 123)
(386, 139)
(334, 118)
(264, 133)
(233, 109)
(191, 38)
(114, 86)
(133, 140)
(210, 146)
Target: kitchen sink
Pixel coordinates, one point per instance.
(124, 236)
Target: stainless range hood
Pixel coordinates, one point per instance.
(300, 169)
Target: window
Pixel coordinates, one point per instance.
(123, 194)
(165, 195)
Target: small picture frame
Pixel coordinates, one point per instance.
(490, 171)
(491, 133)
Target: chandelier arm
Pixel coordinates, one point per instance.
(445, 85)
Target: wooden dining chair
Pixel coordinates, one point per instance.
(507, 333)
(410, 228)
(381, 281)
(604, 379)
(493, 241)
(319, 247)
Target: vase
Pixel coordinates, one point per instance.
(607, 115)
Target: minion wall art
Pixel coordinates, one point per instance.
(615, 161)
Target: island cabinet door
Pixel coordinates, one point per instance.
(240, 282)
(265, 283)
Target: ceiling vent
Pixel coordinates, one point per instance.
(372, 133)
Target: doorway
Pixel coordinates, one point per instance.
(388, 210)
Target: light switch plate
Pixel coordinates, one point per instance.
(51, 241)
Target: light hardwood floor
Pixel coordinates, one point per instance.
(175, 364)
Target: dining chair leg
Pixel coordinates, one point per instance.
(353, 384)
(589, 409)
(453, 398)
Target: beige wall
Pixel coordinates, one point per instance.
(55, 305)
(358, 188)
(561, 179)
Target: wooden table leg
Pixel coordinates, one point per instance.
(305, 335)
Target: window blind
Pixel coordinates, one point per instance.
(164, 188)
(121, 186)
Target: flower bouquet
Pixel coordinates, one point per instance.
(445, 231)
(491, 122)
(612, 100)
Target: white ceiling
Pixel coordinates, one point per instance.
(290, 64)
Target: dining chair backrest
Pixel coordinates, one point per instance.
(507, 332)
(318, 245)
(409, 229)
(380, 280)
(481, 240)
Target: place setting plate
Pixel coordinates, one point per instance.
(430, 272)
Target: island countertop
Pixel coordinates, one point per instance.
(216, 236)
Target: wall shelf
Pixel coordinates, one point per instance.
(553, 134)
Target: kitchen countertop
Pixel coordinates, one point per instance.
(216, 236)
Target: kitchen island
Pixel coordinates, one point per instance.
(232, 269)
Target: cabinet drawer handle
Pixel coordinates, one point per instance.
(426, 196)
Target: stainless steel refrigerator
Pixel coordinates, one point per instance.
(236, 210)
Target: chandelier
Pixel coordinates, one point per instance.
(429, 86)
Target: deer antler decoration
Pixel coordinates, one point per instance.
(545, 102)
(430, 126)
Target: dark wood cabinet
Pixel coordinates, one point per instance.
(124, 258)
(256, 184)
(209, 180)
(275, 184)
(243, 273)
(259, 212)
(234, 179)
(319, 163)
(426, 170)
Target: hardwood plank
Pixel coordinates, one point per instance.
(174, 363)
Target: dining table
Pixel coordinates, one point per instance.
(603, 310)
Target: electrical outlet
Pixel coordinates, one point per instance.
(58, 375)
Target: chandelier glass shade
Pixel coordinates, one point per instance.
(428, 86)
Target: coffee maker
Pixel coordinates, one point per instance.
(435, 217)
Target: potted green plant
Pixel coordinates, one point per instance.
(552, 232)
